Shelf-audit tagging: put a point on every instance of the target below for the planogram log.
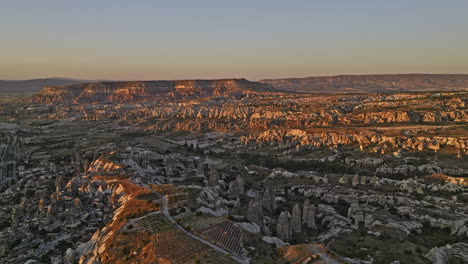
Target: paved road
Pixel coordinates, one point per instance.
(10, 144)
(169, 140)
(8, 155)
(206, 242)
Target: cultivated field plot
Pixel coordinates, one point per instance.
(225, 234)
(199, 221)
(175, 199)
(153, 223)
(177, 246)
(219, 230)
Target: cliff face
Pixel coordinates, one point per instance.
(249, 107)
(294, 112)
(373, 83)
(372, 141)
(145, 90)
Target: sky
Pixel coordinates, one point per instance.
(255, 39)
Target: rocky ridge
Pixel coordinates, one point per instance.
(373, 83)
(111, 92)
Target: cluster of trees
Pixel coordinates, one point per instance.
(193, 148)
(135, 134)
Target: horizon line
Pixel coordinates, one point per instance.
(224, 78)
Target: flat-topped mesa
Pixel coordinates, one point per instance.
(143, 90)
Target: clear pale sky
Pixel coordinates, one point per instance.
(111, 39)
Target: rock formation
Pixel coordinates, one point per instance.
(355, 180)
(282, 227)
(448, 253)
(255, 212)
(311, 217)
(344, 180)
(296, 219)
(233, 190)
(268, 200)
(240, 184)
(213, 179)
(305, 211)
(146, 90)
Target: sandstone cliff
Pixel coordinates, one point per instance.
(145, 90)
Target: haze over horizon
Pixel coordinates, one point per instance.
(120, 40)
(234, 132)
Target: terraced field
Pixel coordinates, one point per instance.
(193, 221)
(218, 230)
(177, 247)
(225, 234)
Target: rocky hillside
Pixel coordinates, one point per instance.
(379, 123)
(137, 91)
(373, 83)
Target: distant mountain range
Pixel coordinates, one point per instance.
(385, 83)
(34, 85)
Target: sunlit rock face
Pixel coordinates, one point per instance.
(147, 90)
(215, 155)
(301, 139)
(272, 118)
